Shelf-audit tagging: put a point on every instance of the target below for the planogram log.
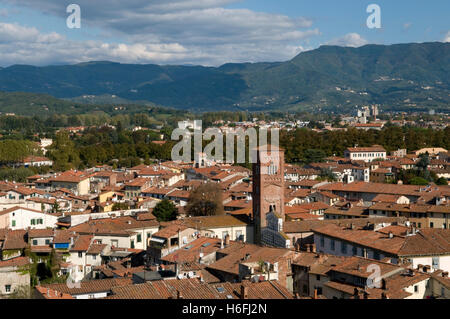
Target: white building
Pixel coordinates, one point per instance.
(36, 161)
(366, 154)
(23, 218)
(17, 196)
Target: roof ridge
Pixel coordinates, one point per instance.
(278, 289)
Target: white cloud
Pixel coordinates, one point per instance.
(208, 32)
(447, 37)
(19, 45)
(26, 45)
(349, 40)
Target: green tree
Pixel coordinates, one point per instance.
(419, 181)
(13, 151)
(55, 208)
(165, 211)
(42, 269)
(64, 153)
(441, 181)
(16, 174)
(314, 156)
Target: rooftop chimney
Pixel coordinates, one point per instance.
(179, 295)
(227, 240)
(244, 292)
(316, 294)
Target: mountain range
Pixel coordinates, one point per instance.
(330, 78)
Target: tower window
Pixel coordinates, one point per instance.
(272, 170)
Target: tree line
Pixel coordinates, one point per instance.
(304, 145)
(122, 147)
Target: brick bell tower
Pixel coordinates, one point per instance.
(268, 189)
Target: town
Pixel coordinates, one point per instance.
(224, 158)
(370, 222)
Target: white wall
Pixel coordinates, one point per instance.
(422, 290)
(339, 248)
(95, 295)
(10, 276)
(245, 230)
(444, 262)
(23, 218)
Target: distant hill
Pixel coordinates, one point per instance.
(24, 103)
(32, 104)
(401, 76)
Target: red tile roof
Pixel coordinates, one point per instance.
(15, 262)
(191, 252)
(425, 242)
(48, 293)
(92, 286)
(195, 289)
(374, 148)
(82, 243)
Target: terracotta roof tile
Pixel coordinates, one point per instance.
(92, 286)
(82, 243)
(15, 262)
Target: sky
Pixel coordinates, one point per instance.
(206, 32)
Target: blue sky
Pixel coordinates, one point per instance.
(208, 32)
(402, 20)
